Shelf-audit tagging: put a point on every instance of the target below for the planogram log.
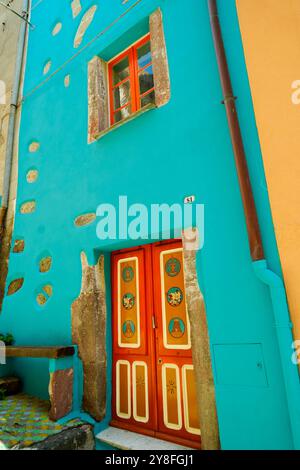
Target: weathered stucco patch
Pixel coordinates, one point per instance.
(61, 393)
(159, 60)
(85, 219)
(89, 333)
(84, 24)
(200, 347)
(15, 285)
(19, 246)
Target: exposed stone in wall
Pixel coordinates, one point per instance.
(48, 289)
(89, 333)
(67, 80)
(84, 24)
(45, 264)
(98, 114)
(159, 60)
(34, 147)
(28, 207)
(5, 246)
(32, 176)
(41, 299)
(56, 29)
(45, 294)
(76, 8)
(77, 438)
(200, 348)
(15, 285)
(85, 219)
(19, 246)
(47, 67)
(61, 393)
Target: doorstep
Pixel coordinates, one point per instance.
(127, 440)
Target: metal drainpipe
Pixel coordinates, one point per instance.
(12, 116)
(277, 290)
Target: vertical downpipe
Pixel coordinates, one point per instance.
(277, 291)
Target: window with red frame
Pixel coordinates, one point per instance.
(131, 83)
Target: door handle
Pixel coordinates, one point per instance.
(153, 322)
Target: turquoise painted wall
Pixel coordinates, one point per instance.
(162, 156)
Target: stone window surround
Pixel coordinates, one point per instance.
(98, 94)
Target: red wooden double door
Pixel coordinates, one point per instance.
(154, 388)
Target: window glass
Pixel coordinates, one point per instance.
(147, 99)
(122, 95)
(121, 71)
(144, 55)
(146, 80)
(131, 81)
(122, 114)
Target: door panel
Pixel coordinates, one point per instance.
(154, 388)
(177, 405)
(134, 394)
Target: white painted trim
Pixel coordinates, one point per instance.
(138, 332)
(163, 306)
(165, 398)
(186, 401)
(141, 419)
(119, 413)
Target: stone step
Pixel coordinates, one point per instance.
(10, 385)
(127, 440)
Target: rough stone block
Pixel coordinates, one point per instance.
(61, 393)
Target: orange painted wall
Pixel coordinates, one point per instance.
(271, 38)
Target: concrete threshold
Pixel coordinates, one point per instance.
(127, 440)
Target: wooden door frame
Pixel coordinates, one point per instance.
(210, 438)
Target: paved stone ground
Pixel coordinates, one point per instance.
(24, 421)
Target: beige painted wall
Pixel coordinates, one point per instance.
(271, 38)
(9, 33)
